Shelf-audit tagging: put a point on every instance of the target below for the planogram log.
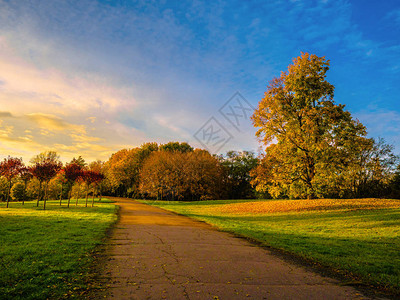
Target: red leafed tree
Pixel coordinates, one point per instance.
(44, 171)
(25, 175)
(72, 172)
(98, 178)
(90, 177)
(10, 167)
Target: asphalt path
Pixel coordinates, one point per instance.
(156, 254)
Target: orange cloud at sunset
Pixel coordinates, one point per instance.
(45, 109)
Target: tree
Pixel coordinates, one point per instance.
(123, 169)
(25, 175)
(60, 178)
(3, 188)
(90, 177)
(204, 175)
(237, 167)
(175, 175)
(72, 171)
(97, 179)
(395, 183)
(32, 189)
(176, 146)
(156, 175)
(45, 156)
(79, 161)
(153, 180)
(307, 135)
(46, 166)
(370, 169)
(10, 167)
(98, 166)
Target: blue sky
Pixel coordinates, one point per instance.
(91, 77)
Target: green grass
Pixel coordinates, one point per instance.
(47, 254)
(364, 243)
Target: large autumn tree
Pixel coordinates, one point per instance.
(176, 175)
(123, 169)
(307, 135)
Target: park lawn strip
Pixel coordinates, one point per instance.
(47, 254)
(360, 241)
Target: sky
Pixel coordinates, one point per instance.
(92, 77)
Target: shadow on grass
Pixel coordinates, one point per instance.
(389, 214)
(363, 243)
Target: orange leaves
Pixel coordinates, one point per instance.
(282, 206)
(176, 175)
(122, 167)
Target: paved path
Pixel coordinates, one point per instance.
(155, 254)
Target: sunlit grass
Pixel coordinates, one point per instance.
(355, 236)
(46, 254)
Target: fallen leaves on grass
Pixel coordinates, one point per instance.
(280, 206)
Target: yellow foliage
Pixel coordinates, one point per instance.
(281, 206)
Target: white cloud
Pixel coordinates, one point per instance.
(113, 76)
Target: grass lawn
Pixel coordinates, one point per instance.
(359, 237)
(47, 254)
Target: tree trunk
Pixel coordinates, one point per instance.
(62, 185)
(8, 194)
(93, 197)
(23, 199)
(77, 196)
(69, 196)
(310, 191)
(310, 173)
(87, 194)
(45, 195)
(40, 189)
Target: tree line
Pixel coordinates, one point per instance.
(171, 171)
(47, 178)
(177, 171)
